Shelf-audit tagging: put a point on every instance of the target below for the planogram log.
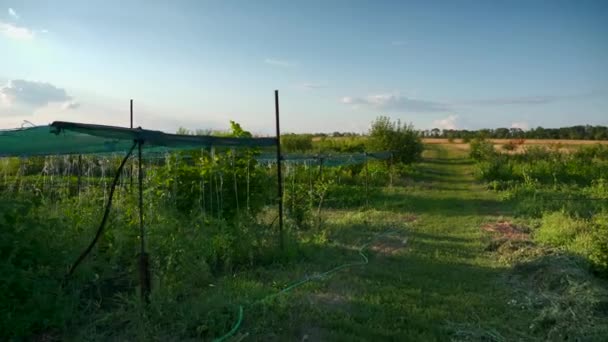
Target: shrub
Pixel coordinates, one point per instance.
(510, 146)
(401, 139)
(481, 149)
(35, 247)
(558, 229)
(587, 238)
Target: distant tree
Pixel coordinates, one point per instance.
(484, 133)
(183, 131)
(401, 139)
(501, 133)
(517, 132)
(203, 132)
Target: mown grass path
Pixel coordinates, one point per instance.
(431, 281)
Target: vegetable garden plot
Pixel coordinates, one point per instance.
(216, 189)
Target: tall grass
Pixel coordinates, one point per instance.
(568, 192)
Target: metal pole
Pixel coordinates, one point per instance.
(366, 182)
(131, 173)
(279, 167)
(321, 168)
(144, 266)
(390, 169)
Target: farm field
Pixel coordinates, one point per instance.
(436, 256)
(234, 171)
(434, 277)
(519, 145)
(428, 279)
(541, 142)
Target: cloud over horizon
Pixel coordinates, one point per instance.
(279, 62)
(447, 123)
(396, 102)
(521, 125)
(536, 99)
(313, 85)
(32, 95)
(13, 31)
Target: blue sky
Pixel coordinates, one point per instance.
(338, 64)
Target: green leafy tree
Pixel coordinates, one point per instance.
(401, 139)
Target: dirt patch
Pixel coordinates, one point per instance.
(389, 245)
(409, 218)
(505, 230)
(329, 300)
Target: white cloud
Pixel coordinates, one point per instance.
(22, 95)
(395, 102)
(70, 105)
(13, 31)
(313, 85)
(279, 62)
(522, 100)
(13, 14)
(521, 125)
(447, 123)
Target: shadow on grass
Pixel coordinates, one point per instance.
(452, 205)
(398, 297)
(449, 161)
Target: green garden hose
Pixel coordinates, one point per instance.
(321, 276)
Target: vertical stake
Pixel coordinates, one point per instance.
(279, 167)
(320, 168)
(144, 265)
(131, 173)
(390, 170)
(79, 179)
(236, 192)
(366, 181)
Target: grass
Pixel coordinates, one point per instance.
(440, 285)
(431, 278)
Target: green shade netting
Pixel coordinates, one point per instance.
(76, 138)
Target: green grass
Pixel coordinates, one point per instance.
(430, 279)
(442, 285)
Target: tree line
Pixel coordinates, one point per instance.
(579, 132)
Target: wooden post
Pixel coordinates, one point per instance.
(279, 167)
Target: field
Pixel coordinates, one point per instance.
(520, 144)
(528, 142)
(443, 252)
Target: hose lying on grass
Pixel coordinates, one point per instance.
(318, 277)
